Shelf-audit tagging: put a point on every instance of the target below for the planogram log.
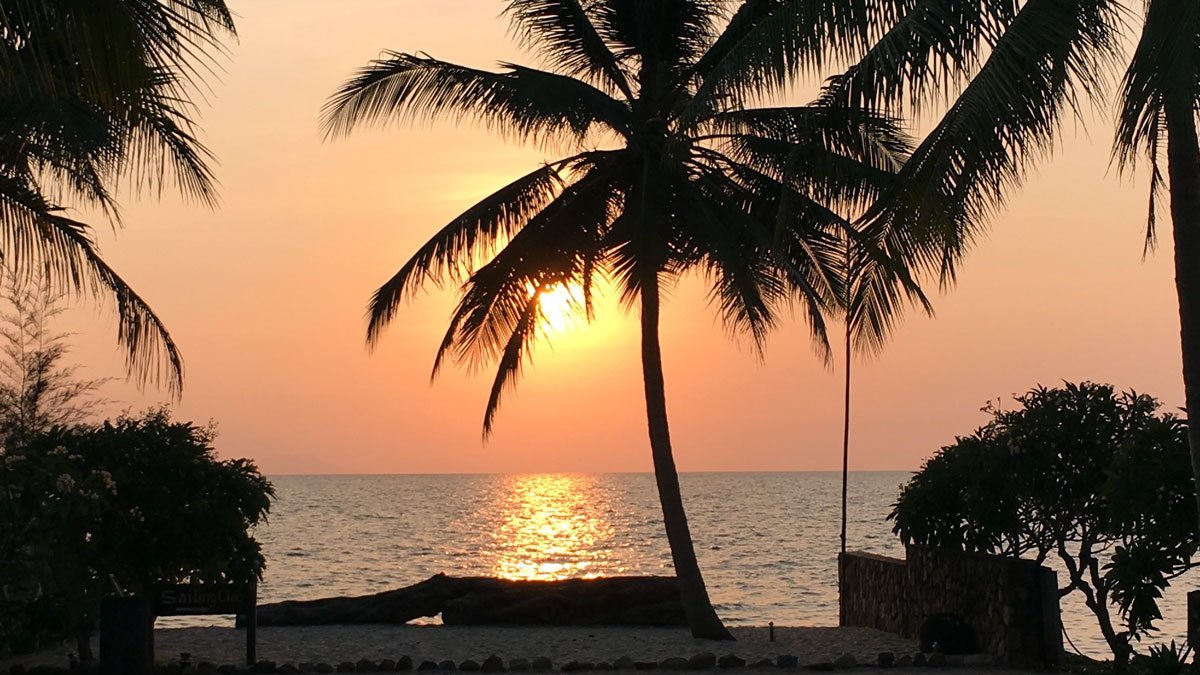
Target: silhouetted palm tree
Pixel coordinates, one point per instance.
(96, 93)
(1010, 70)
(669, 177)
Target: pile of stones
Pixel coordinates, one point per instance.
(494, 664)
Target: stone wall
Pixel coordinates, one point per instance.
(1012, 604)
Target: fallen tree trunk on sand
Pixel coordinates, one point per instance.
(640, 601)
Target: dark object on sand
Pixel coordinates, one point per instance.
(462, 601)
(948, 634)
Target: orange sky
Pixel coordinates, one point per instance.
(266, 295)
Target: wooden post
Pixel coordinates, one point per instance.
(252, 622)
(1193, 623)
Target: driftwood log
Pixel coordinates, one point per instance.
(643, 601)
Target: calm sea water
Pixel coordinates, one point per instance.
(767, 542)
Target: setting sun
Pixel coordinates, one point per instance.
(560, 306)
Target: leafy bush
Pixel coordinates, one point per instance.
(131, 502)
(1098, 479)
(1165, 660)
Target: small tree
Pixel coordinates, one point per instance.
(1098, 479)
(138, 500)
(37, 392)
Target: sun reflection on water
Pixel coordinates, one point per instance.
(552, 526)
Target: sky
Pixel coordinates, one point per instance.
(266, 294)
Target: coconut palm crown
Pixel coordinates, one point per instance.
(668, 176)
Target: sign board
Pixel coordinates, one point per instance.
(191, 599)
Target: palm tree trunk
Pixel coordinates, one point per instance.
(702, 618)
(1183, 169)
(846, 440)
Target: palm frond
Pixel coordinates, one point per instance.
(112, 46)
(929, 52)
(38, 241)
(859, 133)
(58, 143)
(160, 144)
(783, 233)
(96, 92)
(878, 290)
(562, 31)
(524, 102)
(515, 354)
(1165, 64)
(745, 283)
(151, 354)
(552, 246)
(769, 42)
(473, 233)
(1053, 54)
(829, 177)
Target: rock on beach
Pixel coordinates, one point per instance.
(543, 648)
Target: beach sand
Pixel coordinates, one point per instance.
(332, 644)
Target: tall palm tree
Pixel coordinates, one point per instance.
(95, 94)
(1010, 71)
(668, 178)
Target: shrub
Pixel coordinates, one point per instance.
(130, 502)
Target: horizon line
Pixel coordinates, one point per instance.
(593, 473)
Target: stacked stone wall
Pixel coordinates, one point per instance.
(1012, 604)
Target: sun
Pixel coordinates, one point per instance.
(559, 305)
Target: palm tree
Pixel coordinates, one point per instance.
(668, 178)
(95, 94)
(1010, 71)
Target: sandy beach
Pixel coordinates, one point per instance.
(333, 644)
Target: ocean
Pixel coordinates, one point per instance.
(767, 542)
